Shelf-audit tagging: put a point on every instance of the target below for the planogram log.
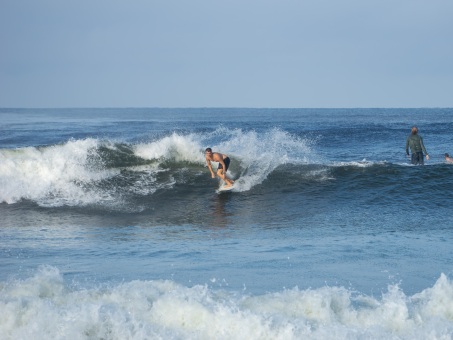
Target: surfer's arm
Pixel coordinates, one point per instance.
(210, 168)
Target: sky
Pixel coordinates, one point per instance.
(226, 53)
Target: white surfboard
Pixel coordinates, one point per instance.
(225, 188)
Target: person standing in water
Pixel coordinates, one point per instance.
(415, 143)
(224, 163)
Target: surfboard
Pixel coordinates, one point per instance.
(224, 188)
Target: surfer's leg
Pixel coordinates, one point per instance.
(227, 165)
(222, 175)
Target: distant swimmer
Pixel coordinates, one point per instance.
(415, 143)
(224, 163)
(448, 159)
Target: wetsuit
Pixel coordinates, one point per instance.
(415, 143)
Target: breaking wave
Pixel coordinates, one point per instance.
(94, 171)
(165, 309)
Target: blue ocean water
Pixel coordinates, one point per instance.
(112, 227)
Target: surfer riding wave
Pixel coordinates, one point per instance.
(224, 163)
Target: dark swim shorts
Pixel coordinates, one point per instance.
(227, 164)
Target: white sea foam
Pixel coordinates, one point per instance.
(50, 174)
(66, 174)
(45, 307)
(176, 147)
(260, 153)
(359, 164)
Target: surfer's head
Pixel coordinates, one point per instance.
(447, 155)
(414, 130)
(208, 151)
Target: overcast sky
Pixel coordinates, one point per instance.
(228, 53)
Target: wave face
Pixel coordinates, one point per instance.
(164, 309)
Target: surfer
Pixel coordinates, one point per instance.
(415, 143)
(224, 163)
(448, 159)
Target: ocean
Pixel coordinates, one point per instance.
(111, 226)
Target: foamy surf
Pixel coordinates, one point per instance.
(53, 175)
(178, 148)
(260, 153)
(44, 306)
